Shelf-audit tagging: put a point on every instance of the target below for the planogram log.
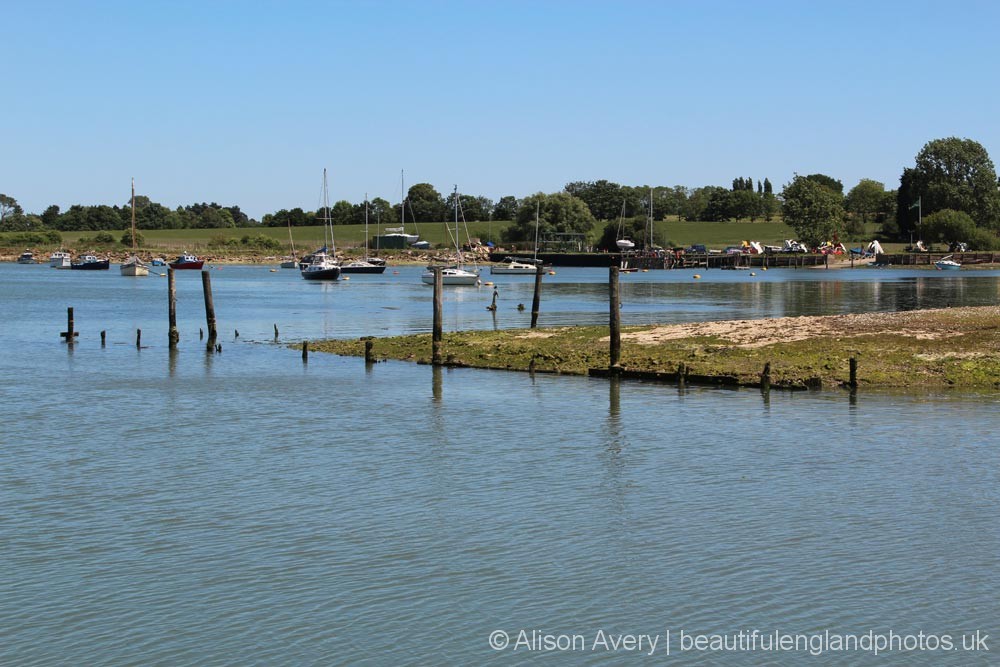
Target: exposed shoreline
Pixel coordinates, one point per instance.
(939, 348)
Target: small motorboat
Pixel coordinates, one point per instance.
(516, 266)
(186, 261)
(158, 261)
(91, 263)
(60, 259)
(321, 267)
(362, 266)
(451, 275)
(27, 257)
(946, 263)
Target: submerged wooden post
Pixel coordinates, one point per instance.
(206, 286)
(305, 350)
(69, 334)
(853, 382)
(536, 300)
(104, 336)
(138, 338)
(369, 353)
(765, 378)
(275, 332)
(615, 365)
(173, 336)
(436, 333)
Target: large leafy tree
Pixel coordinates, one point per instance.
(813, 210)
(603, 198)
(828, 182)
(865, 200)
(9, 208)
(949, 173)
(426, 203)
(506, 208)
(560, 213)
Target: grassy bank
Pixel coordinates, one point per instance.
(955, 347)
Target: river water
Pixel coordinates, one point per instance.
(246, 508)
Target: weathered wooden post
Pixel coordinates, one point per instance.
(853, 382)
(369, 350)
(765, 378)
(69, 334)
(615, 365)
(206, 286)
(537, 299)
(436, 333)
(104, 336)
(275, 332)
(305, 350)
(174, 335)
(138, 338)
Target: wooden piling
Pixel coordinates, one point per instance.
(369, 350)
(69, 334)
(615, 350)
(206, 286)
(305, 350)
(436, 333)
(853, 382)
(138, 338)
(104, 336)
(174, 335)
(275, 332)
(765, 378)
(537, 298)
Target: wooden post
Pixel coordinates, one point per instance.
(369, 352)
(537, 299)
(305, 350)
(436, 333)
(275, 332)
(104, 336)
(853, 383)
(206, 286)
(173, 336)
(615, 365)
(138, 338)
(765, 378)
(69, 334)
(826, 260)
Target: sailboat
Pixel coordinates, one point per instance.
(323, 265)
(622, 242)
(396, 237)
(134, 266)
(456, 274)
(291, 262)
(365, 265)
(520, 265)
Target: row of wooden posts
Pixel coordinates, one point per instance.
(173, 335)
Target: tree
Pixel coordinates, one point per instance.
(828, 182)
(603, 198)
(426, 203)
(950, 173)
(813, 210)
(505, 208)
(560, 213)
(9, 208)
(948, 226)
(865, 199)
(50, 217)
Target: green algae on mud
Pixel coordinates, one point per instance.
(951, 347)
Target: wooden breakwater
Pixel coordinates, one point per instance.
(928, 258)
(674, 260)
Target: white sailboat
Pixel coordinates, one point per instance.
(134, 266)
(456, 274)
(520, 265)
(623, 243)
(397, 236)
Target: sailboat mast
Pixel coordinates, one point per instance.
(133, 215)
(538, 205)
(366, 226)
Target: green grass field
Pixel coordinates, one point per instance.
(716, 235)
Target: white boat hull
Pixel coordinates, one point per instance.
(134, 269)
(452, 277)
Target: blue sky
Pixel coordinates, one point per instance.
(246, 102)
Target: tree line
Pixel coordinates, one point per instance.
(951, 191)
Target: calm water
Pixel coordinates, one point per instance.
(244, 508)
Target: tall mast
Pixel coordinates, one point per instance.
(366, 226)
(402, 203)
(133, 215)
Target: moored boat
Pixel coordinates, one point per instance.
(186, 261)
(451, 275)
(322, 264)
(60, 259)
(134, 266)
(27, 257)
(362, 266)
(946, 263)
(91, 263)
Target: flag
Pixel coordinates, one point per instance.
(915, 204)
